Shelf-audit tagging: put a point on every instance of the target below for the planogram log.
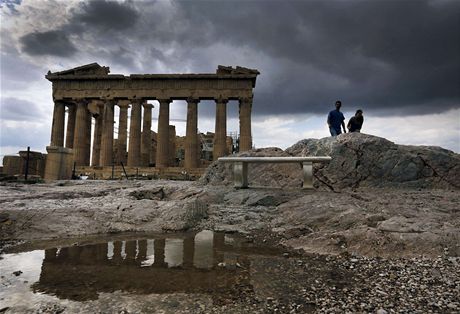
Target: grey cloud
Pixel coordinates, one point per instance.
(11, 5)
(394, 57)
(392, 54)
(54, 43)
(13, 69)
(104, 15)
(23, 135)
(14, 109)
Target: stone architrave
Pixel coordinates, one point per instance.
(220, 136)
(81, 127)
(172, 146)
(107, 135)
(57, 130)
(122, 131)
(163, 134)
(134, 151)
(146, 141)
(72, 111)
(245, 124)
(191, 136)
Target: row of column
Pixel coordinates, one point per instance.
(78, 133)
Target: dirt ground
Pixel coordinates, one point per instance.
(362, 234)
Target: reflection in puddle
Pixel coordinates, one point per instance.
(205, 262)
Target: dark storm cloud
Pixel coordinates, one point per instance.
(394, 57)
(375, 53)
(104, 15)
(54, 43)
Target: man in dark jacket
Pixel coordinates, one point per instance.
(335, 119)
(355, 124)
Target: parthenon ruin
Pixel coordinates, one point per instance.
(90, 92)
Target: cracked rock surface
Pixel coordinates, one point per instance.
(380, 233)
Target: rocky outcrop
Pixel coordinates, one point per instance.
(358, 160)
(361, 160)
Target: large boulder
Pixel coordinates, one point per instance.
(358, 160)
(361, 160)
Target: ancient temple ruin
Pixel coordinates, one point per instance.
(90, 93)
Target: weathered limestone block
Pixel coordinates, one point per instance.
(57, 130)
(245, 124)
(220, 147)
(146, 140)
(59, 163)
(191, 139)
(35, 159)
(134, 151)
(107, 135)
(153, 148)
(81, 132)
(172, 146)
(122, 132)
(163, 135)
(12, 165)
(70, 125)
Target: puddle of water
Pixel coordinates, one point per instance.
(206, 262)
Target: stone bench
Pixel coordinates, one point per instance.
(240, 167)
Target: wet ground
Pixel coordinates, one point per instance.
(211, 272)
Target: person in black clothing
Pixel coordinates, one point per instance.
(356, 122)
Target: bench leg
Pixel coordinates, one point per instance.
(307, 175)
(240, 174)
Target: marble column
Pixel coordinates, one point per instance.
(71, 115)
(107, 135)
(220, 136)
(57, 129)
(146, 141)
(122, 131)
(163, 135)
(134, 150)
(89, 118)
(79, 142)
(97, 136)
(172, 146)
(191, 135)
(245, 124)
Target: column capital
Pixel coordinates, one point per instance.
(136, 101)
(61, 102)
(80, 101)
(193, 100)
(245, 100)
(164, 101)
(146, 105)
(123, 103)
(221, 100)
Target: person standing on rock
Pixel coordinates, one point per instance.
(335, 119)
(355, 124)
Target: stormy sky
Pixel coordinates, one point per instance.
(398, 61)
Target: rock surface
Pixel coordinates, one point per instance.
(361, 160)
(383, 217)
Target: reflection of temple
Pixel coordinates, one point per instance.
(188, 265)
